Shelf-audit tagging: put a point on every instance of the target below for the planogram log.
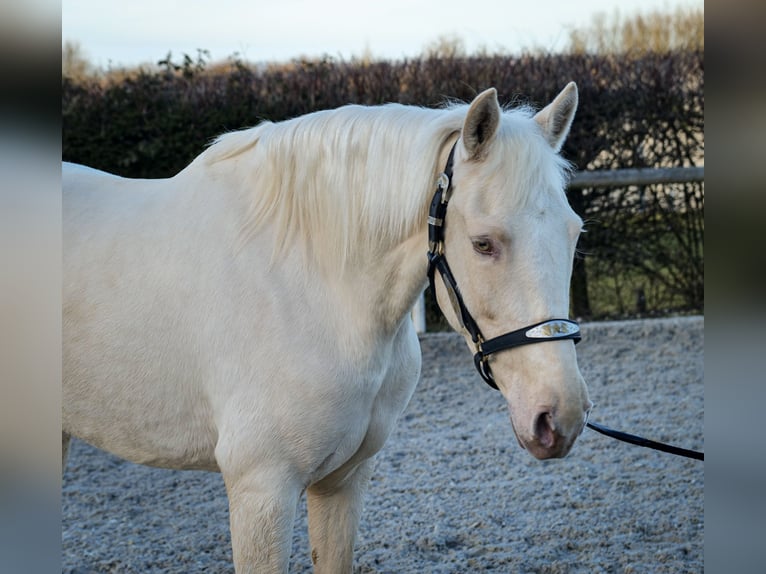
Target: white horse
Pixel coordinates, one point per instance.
(250, 315)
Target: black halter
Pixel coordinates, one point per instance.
(550, 330)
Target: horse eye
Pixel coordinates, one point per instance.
(483, 245)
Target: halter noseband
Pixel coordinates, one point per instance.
(550, 330)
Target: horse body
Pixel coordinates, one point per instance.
(250, 314)
(195, 321)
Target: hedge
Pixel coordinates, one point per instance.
(642, 254)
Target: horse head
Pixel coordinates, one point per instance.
(510, 238)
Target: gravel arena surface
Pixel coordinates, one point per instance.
(452, 491)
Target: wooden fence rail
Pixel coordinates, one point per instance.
(606, 178)
(644, 176)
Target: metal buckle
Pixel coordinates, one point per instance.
(477, 345)
(481, 362)
(435, 221)
(443, 183)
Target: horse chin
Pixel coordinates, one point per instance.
(541, 452)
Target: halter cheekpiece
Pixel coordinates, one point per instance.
(549, 330)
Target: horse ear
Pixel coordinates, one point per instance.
(556, 118)
(481, 123)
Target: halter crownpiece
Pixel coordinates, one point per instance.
(549, 330)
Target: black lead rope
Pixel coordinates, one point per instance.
(550, 330)
(641, 441)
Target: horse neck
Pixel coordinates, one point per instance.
(386, 289)
(391, 280)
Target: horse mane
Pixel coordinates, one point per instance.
(342, 182)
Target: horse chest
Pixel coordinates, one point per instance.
(361, 427)
(396, 389)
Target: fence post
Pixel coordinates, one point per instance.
(419, 313)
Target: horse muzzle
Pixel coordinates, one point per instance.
(549, 435)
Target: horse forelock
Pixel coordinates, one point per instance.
(347, 182)
(538, 173)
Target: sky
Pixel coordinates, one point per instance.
(120, 33)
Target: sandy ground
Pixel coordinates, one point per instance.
(452, 491)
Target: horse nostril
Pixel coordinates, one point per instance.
(544, 430)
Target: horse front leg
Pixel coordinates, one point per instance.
(334, 507)
(262, 509)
